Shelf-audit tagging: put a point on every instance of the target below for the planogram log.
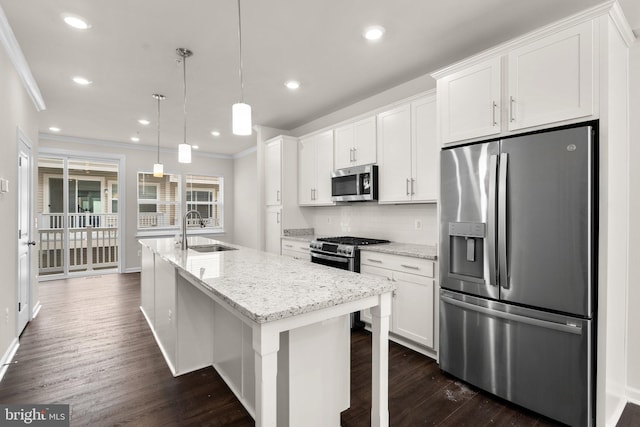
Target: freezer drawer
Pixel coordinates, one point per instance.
(538, 360)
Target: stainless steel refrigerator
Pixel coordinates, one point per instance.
(518, 269)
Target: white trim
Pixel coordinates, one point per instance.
(622, 25)
(25, 146)
(633, 395)
(8, 356)
(11, 46)
(245, 153)
(36, 310)
(125, 145)
(615, 415)
(133, 270)
(503, 48)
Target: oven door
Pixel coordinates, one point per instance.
(335, 261)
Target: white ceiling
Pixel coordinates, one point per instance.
(129, 54)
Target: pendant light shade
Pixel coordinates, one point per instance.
(158, 169)
(184, 149)
(184, 153)
(241, 112)
(241, 119)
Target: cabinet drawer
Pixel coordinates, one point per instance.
(295, 245)
(295, 254)
(404, 264)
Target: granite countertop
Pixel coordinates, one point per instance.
(265, 287)
(405, 249)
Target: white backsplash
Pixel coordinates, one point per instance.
(417, 224)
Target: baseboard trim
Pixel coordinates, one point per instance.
(633, 395)
(36, 310)
(133, 270)
(617, 413)
(8, 356)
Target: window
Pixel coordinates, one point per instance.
(160, 201)
(204, 194)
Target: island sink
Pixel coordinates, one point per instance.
(211, 248)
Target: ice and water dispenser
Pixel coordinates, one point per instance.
(466, 245)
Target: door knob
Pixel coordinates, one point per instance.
(31, 243)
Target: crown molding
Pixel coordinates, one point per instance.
(245, 153)
(126, 145)
(8, 40)
(501, 49)
(622, 24)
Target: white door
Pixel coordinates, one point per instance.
(324, 167)
(272, 173)
(425, 152)
(394, 155)
(24, 235)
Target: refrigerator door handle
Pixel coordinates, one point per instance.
(502, 222)
(568, 328)
(491, 221)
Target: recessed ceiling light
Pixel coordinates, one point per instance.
(135, 139)
(292, 84)
(373, 33)
(54, 129)
(215, 132)
(144, 122)
(81, 81)
(195, 147)
(76, 22)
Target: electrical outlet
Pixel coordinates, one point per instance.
(139, 252)
(6, 315)
(418, 224)
(328, 220)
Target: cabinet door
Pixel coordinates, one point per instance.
(469, 102)
(364, 141)
(425, 150)
(147, 285)
(324, 167)
(413, 308)
(368, 270)
(343, 146)
(306, 170)
(165, 310)
(273, 230)
(394, 163)
(552, 79)
(273, 173)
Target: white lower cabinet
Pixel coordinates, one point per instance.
(412, 311)
(294, 248)
(147, 287)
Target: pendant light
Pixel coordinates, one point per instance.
(158, 169)
(184, 149)
(241, 112)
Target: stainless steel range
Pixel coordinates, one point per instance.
(341, 252)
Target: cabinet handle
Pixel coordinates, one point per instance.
(350, 154)
(512, 117)
(277, 217)
(305, 248)
(288, 246)
(407, 186)
(412, 267)
(312, 194)
(278, 195)
(354, 154)
(413, 181)
(494, 113)
(374, 260)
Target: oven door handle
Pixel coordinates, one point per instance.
(329, 257)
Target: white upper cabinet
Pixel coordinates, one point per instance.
(545, 78)
(355, 143)
(273, 172)
(551, 79)
(469, 102)
(408, 153)
(315, 164)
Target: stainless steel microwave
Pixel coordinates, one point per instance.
(355, 184)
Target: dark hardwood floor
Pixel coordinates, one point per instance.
(90, 347)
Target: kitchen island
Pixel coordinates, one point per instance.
(276, 329)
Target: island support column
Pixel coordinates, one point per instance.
(266, 343)
(380, 362)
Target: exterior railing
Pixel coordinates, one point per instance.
(93, 242)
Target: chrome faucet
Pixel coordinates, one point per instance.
(184, 227)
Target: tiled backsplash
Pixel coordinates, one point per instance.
(398, 223)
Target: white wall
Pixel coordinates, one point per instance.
(392, 222)
(246, 202)
(16, 111)
(633, 301)
(141, 159)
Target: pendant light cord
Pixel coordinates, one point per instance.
(184, 79)
(158, 98)
(240, 45)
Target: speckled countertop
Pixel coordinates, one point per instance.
(405, 249)
(266, 287)
(301, 238)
